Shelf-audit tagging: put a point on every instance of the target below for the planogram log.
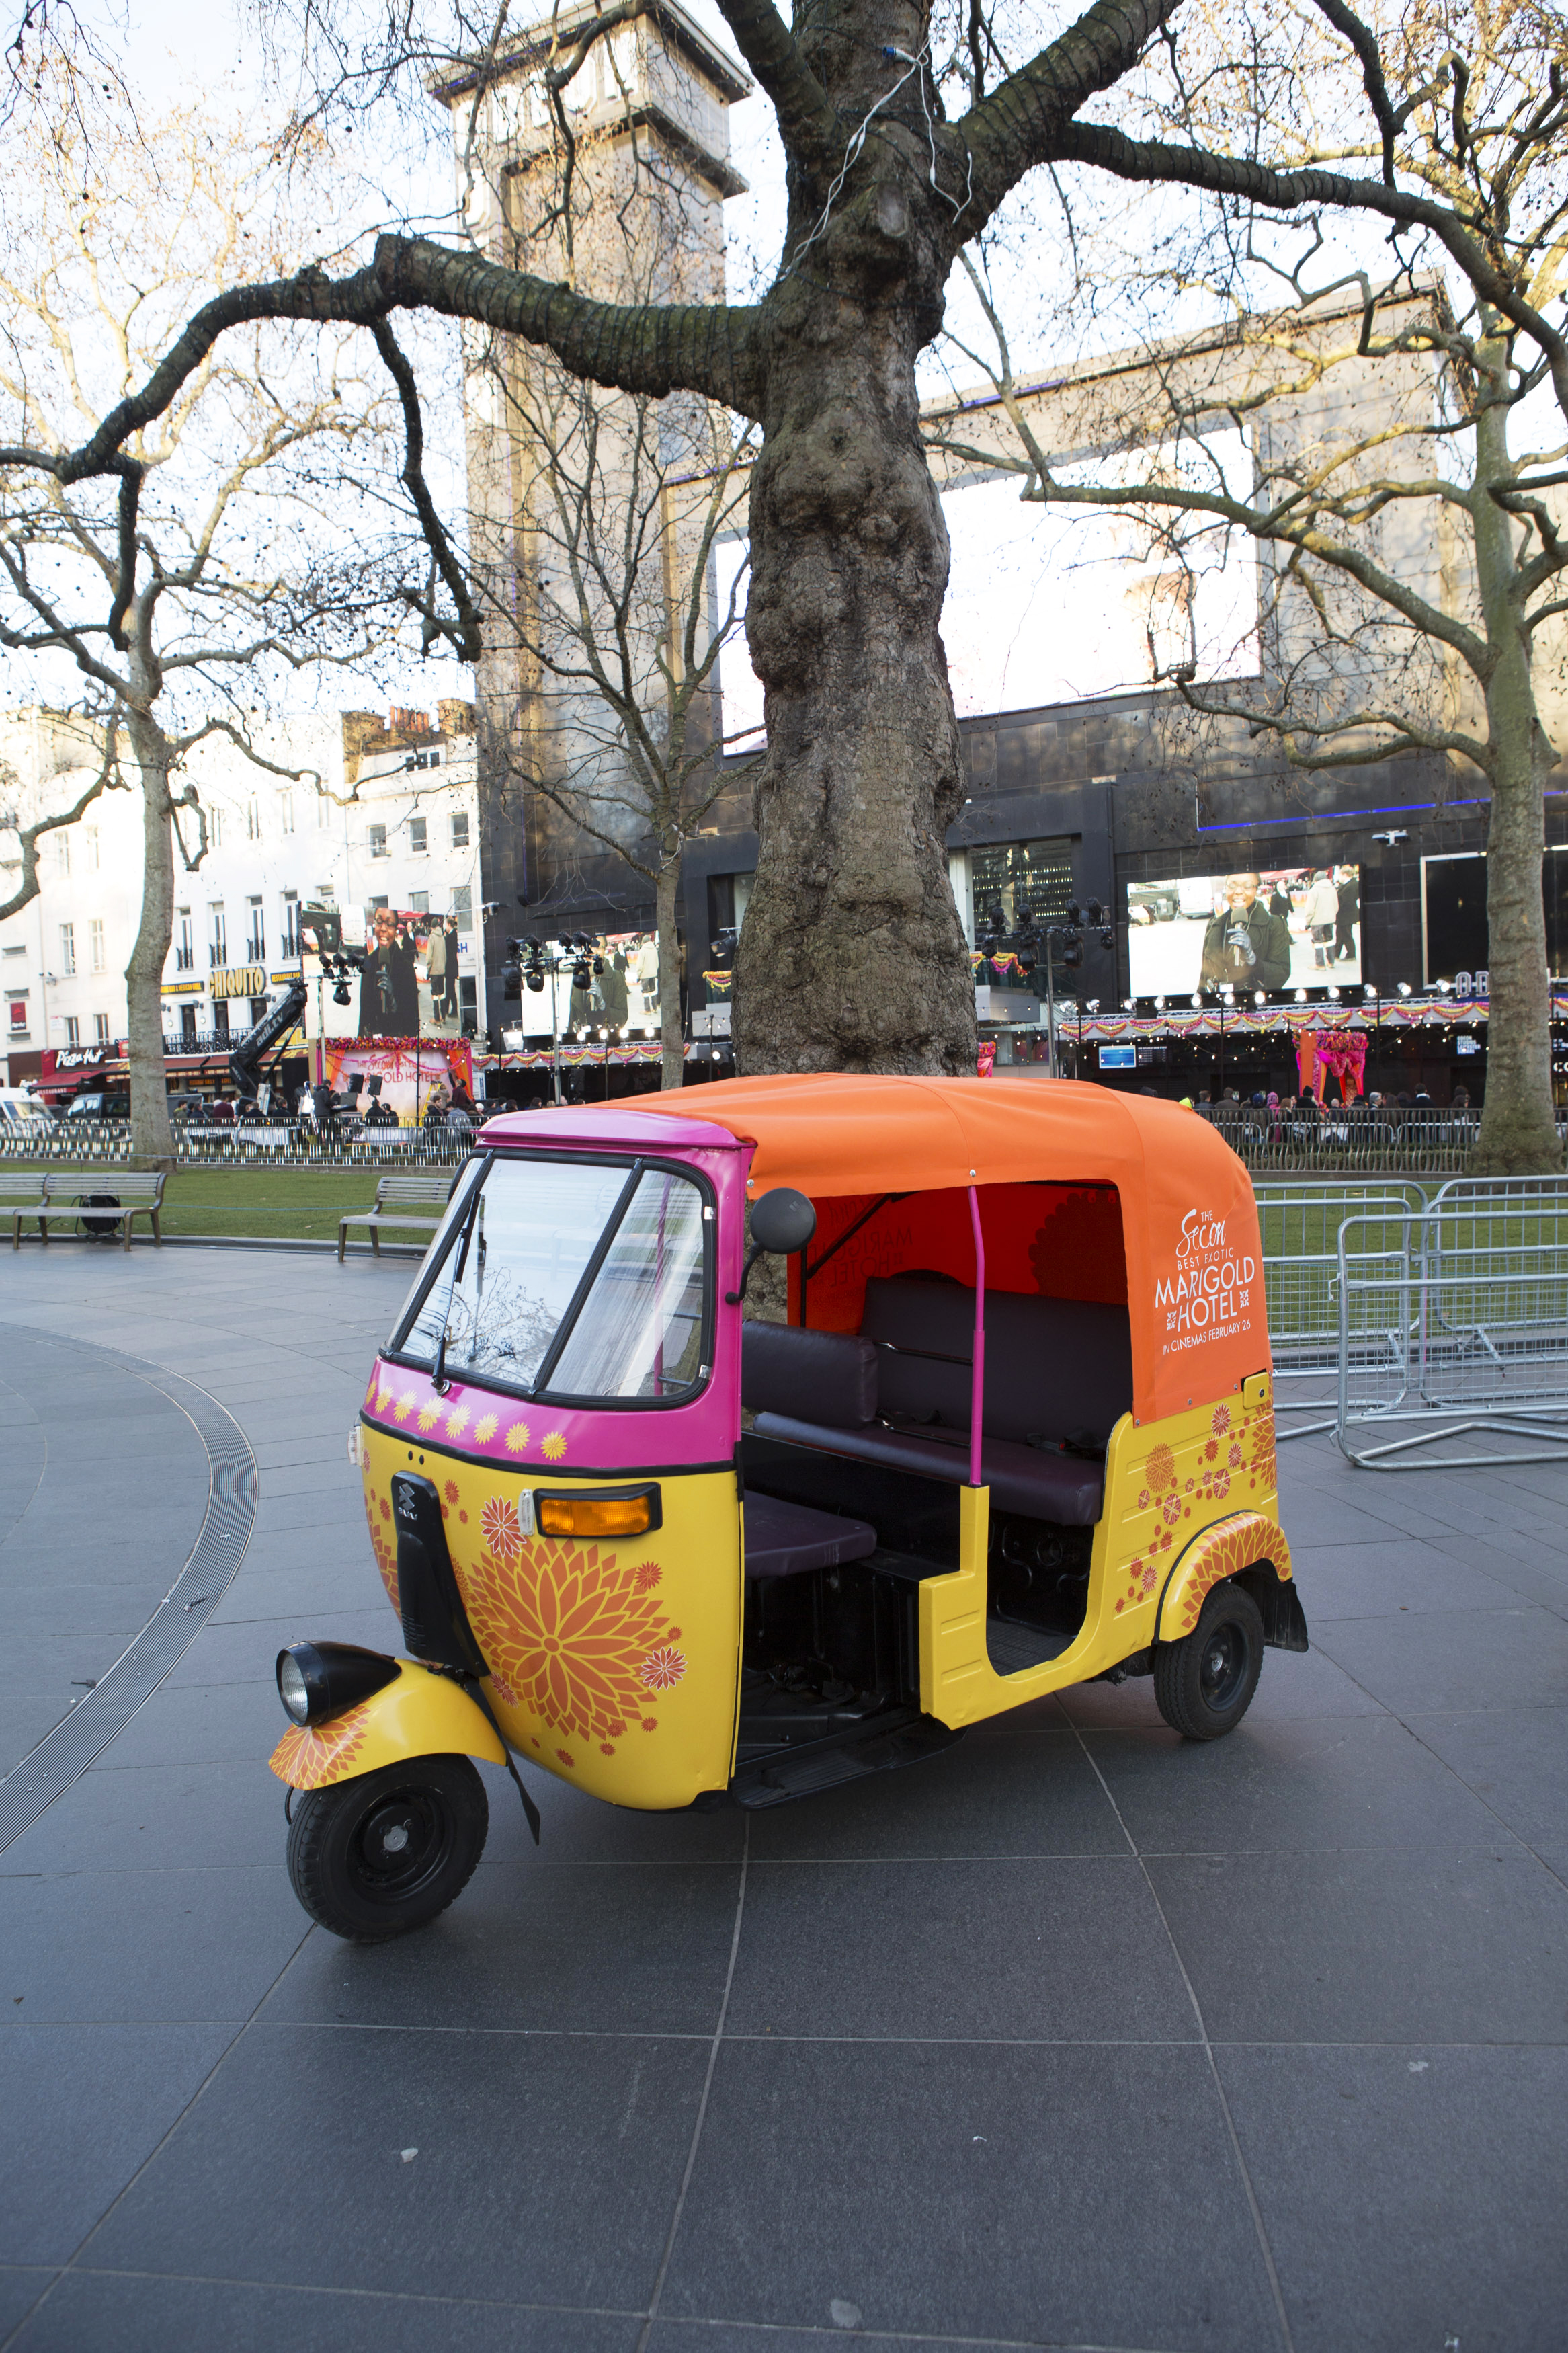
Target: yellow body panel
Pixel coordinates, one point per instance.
(1165, 1482)
(614, 1664)
(418, 1715)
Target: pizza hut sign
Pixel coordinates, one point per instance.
(1209, 1293)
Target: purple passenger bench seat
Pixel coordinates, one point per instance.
(897, 1393)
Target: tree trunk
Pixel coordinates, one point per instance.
(852, 956)
(672, 1053)
(150, 1132)
(1519, 1131)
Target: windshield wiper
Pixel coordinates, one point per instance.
(438, 1380)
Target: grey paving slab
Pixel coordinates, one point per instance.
(189, 1724)
(1071, 1949)
(1378, 1580)
(1293, 1684)
(1319, 1782)
(248, 1652)
(551, 1947)
(547, 2166)
(1413, 2197)
(147, 1945)
(20, 2288)
(1442, 1660)
(1370, 1947)
(80, 2109)
(156, 1818)
(1526, 1568)
(135, 2315)
(1027, 1792)
(1515, 1760)
(965, 2192)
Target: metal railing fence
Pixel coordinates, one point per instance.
(1411, 1141)
(1301, 1226)
(1457, 1325)
(273, 1142)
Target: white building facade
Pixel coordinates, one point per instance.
(369, 811)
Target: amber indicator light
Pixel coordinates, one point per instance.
(594, 1515)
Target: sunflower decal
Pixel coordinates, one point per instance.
(572, 1638)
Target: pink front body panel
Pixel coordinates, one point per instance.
(492, 1425)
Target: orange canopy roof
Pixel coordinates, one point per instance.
(1194, 1280)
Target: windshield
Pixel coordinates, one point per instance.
(577, 1279)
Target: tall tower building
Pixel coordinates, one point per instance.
(611, 178)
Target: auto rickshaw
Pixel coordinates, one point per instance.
(1016, 1433)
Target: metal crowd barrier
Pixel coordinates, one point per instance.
(1456, 1326)
(1301, 1228)
(1407, 1142)
(274, 1143)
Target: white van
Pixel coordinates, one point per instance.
(20, 1108)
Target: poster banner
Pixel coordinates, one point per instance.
(401, 967)
(612, 986)
(401, 1079)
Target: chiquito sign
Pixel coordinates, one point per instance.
(1208, 1294)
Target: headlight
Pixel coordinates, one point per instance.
(318, 1679)
(292, 1688)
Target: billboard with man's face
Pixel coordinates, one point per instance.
(1284, 928)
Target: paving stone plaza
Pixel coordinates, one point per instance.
(1074, 2035)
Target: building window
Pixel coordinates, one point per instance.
(19, 1016)
(100, 1029)
(380, 902)
(68, 947)
(215, 828)
(323, 809)
(185, 947)
(416, 836)
(63, 843)
(73, 1030)
(460, 829)
(90, 847)
(463, 906)
(217, 951)
(253, 817)
(419, 902)
(220, 1020)
(95, 944)
(255, 946)
(286, 812)
(378, 841)
(188, 1027)
(258, 1011)
(290, 923)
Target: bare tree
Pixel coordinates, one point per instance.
(849, 556)
(622, 628)
(1416, 538)
(152, 597)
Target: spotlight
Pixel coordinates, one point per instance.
(1127, 1005)
(1333, 994)
(1197, 1001)
(1260, 997)
(1404, 988)
(1369, 994)
(1301, 996)
(1158, 1004)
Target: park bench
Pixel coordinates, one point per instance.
(81, 1193)
(400, 1201)
(21, 1196)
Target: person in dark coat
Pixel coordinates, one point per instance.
(388, 986)
(1349, 915)
(1245, 944)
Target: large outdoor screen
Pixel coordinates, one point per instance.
(1289, 927)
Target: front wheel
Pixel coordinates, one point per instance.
(376, 1856)
(1204, 1683)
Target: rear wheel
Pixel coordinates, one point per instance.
(374, 1857)
(1204, 1683)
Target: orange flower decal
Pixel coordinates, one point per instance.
(1161, 1469)
(308, 1755)
(568, 1638)
(1221, 1421)
(647, 1575)
(662, 1668)
(1219, 1553)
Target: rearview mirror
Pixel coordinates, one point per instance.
(783, 1222)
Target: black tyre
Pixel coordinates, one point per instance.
(1204, 1683)
(374, 1857)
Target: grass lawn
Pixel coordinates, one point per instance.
(283, 1204)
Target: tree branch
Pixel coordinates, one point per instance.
(465, 636)
(808, 124)
(29, 836)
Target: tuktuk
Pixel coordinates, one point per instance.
(1014, 1432)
